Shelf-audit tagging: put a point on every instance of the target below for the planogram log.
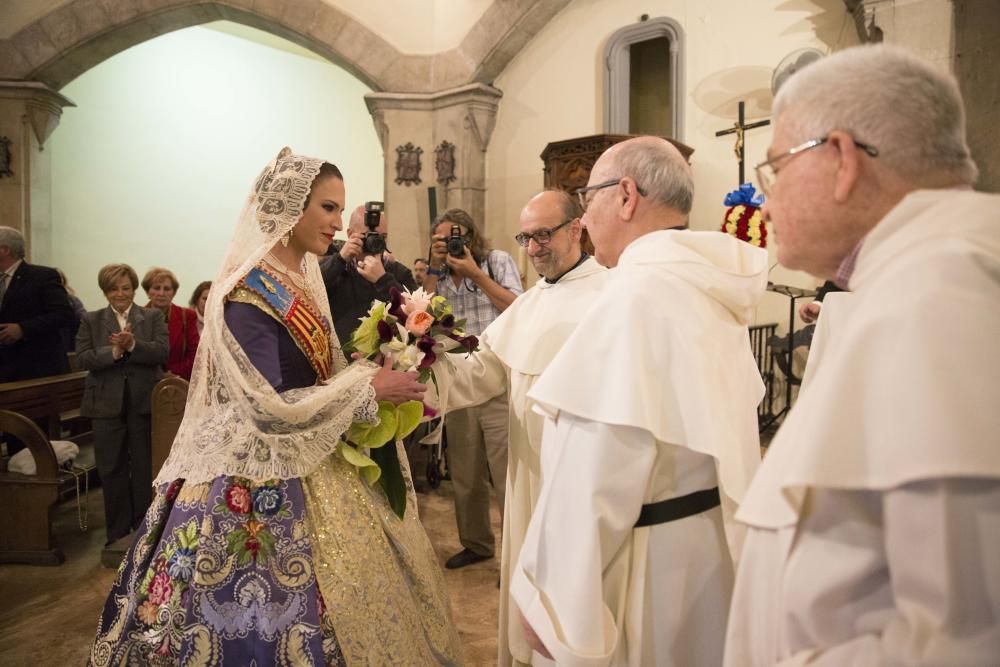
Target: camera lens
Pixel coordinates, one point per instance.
(373, 244)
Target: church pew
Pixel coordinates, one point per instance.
(29, 500)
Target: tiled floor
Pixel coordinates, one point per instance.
(48, 615)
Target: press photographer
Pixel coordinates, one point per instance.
(362, 270)
(479, 283)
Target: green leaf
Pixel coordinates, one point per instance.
(367, 468)
(235, 540)
(187, 536)
(266, 550)
(370, 436)
(408, 417)
(392, 482)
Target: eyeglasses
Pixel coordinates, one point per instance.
(542, 236)
(581, 193)
(767, 174)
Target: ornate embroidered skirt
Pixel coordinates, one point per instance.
(313, 571)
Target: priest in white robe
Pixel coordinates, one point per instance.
(874, 523)
(514, 350)
(650, 422)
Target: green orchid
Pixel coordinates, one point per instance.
(365, 339)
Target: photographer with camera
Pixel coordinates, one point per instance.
(362, 270)
(479, 283)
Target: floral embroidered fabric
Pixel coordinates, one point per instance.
(220, 573)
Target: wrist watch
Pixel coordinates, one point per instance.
(435, 272)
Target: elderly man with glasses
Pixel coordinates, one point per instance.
(650, 432)
(874, 523)
(514, 351)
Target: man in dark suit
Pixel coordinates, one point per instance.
(123, 346)
(353, 279)
(34, 308)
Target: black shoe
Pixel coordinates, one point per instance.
(463, 558)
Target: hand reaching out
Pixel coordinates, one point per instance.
(810, 312)
(396, 386)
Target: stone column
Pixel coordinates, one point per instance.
(29, 112)
(463, 116)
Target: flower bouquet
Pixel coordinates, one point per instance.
(743, 219)
(415, 329)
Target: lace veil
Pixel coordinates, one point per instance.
(234, 422)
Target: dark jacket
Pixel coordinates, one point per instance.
(103, 391)
(37, 301)
(351, 294)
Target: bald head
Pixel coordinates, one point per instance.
(545, 214)
(654, 191)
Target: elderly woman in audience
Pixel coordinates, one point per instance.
(182, 323)
(123, 346)
(198, 300)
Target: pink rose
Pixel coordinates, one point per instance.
(238, 499)
(160, 588)
(419, 323)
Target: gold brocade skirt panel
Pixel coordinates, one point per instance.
(379, 576)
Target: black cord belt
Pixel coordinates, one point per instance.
(673, 509)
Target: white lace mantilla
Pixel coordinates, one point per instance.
(235, 423)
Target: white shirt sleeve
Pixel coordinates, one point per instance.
(475, 378)
(941, 541)
(596, 478)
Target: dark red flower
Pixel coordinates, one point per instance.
(396, 304)
(426, 345)
(252, 545)
(384, 331)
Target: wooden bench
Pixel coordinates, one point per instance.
(29, 500)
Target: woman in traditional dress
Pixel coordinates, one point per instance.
(263, 545)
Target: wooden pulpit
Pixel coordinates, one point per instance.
(568, 163)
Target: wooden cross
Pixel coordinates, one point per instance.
(739, 128)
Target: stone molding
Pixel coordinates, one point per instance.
(80, 34)
(42, 106)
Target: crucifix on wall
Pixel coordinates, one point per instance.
(739, 128)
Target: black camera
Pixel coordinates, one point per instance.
(373, 243)
(456, 242)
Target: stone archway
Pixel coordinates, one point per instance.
(428, 99)
(80, 34)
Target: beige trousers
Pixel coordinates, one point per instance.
(477, 452)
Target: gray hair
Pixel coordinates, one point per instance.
(660, 171)
(907, 108)
(14, 240)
